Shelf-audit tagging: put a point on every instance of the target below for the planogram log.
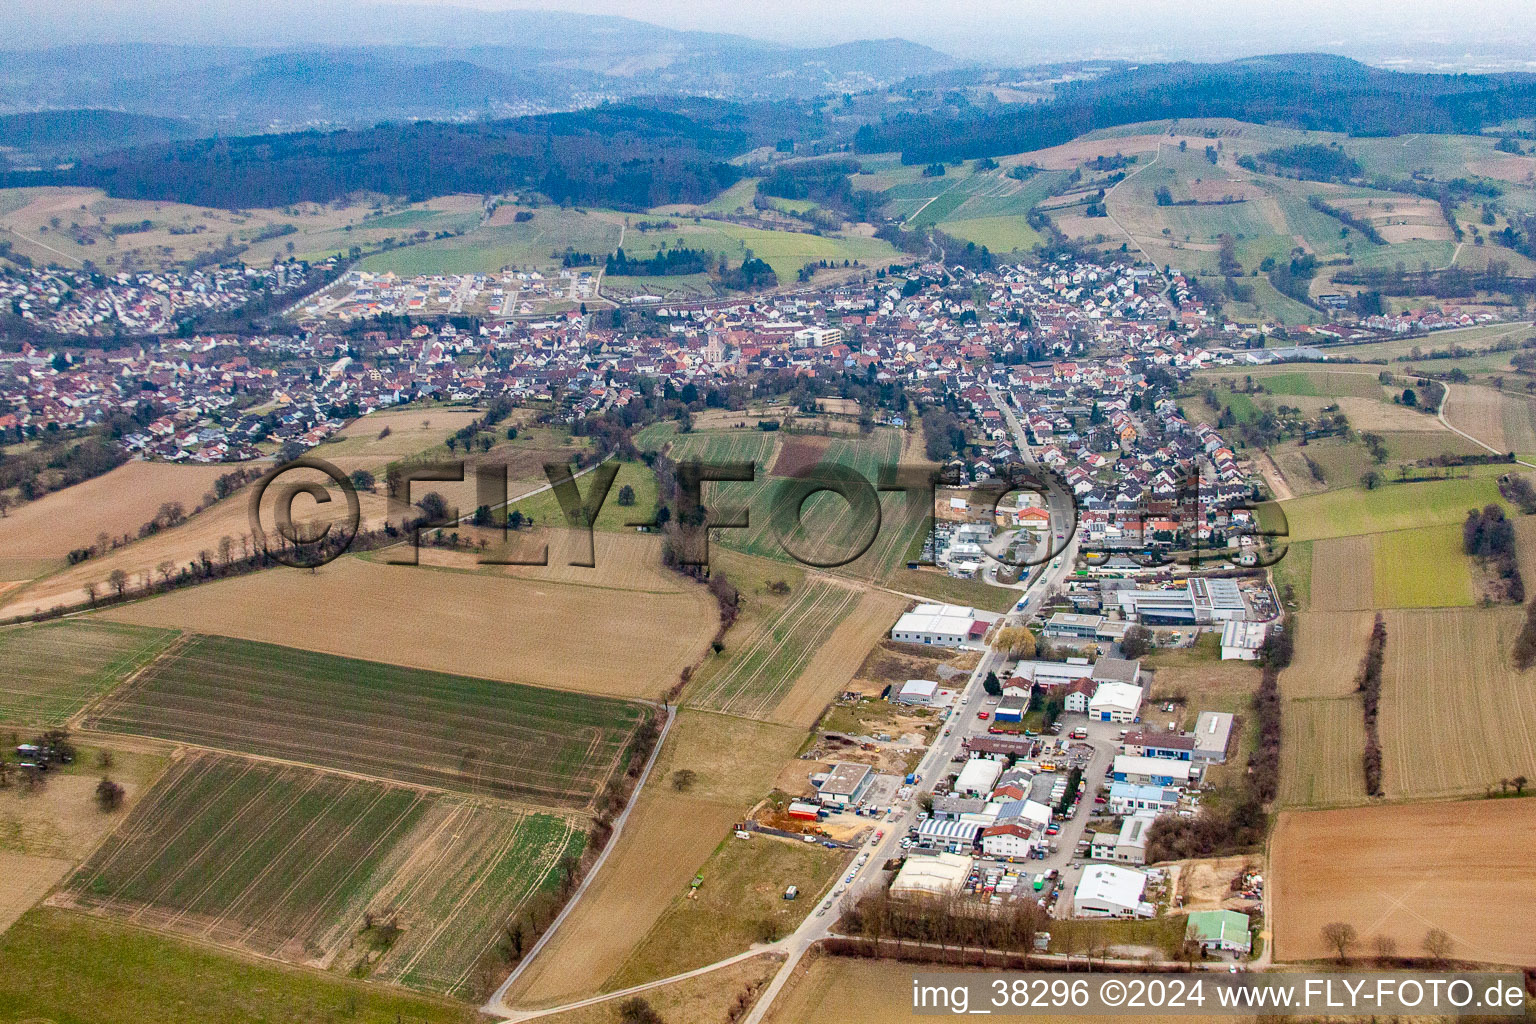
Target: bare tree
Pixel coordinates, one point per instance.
(90, 592)
(226, 548)
(5, 504)
(1386, 947)
(1438, 945)
(118, 581)
(1341, 938)
(1519, 782)
(166, 569)
(109, 795)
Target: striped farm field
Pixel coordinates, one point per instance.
(547, 747)
(270, 858)
(1343, 573)
(1329, 647)
(1398, 870)
(54, 670)
(1320, 758)
(469, 870)
(764, 669)
(1456, 717)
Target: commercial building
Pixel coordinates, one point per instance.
(935, 875)
(1011, 708)
(1014, 840)
(1074, 627)
(1109, 891)
(917, 691)
(1223, 930)
(1115, 702)
(937, 625)
(844, 784)
(1242, 640)
(954, 836)
(1199, 601)
(1176, 746)
(1213, 733)
(1151, 771)
(1117, 670)
(978, 776)
(1129, 846)
(1128, 798)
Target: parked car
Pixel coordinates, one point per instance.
(983, 715)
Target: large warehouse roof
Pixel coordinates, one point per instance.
(937, 875)
(938, 619)
(1115, 886)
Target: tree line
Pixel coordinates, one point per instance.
(626, 157)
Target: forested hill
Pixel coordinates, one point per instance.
(1313, 91)
(623, 156)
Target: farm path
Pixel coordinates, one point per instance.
(1444, 399)
(1115, 220)
(1274, 477)
(518, 1016)
(496, 1005)
(513, 500)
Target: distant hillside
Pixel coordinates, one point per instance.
(59, 133)
(349, 67)
(1313, 91)
(628, 157)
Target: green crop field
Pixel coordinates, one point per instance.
(544, 507)
(1350, 511)
(536, 242)
(477, 868)
(828, 526)
(999, 234)
(1360, 383)
(54, 670)
(71, 968)
(548, 747)
(785, 251)
(754, 681)
(1422, 568)
(270, 858)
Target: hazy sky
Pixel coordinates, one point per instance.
(988, 30)
(993, 27)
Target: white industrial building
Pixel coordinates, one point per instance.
(938, 625)
(1200, 601)
(1109, 891)
(1151, 771)
(917, 691)
(1115, 702)
(978, 777)
(843, 785)
(1242, 640)
(937, 875)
